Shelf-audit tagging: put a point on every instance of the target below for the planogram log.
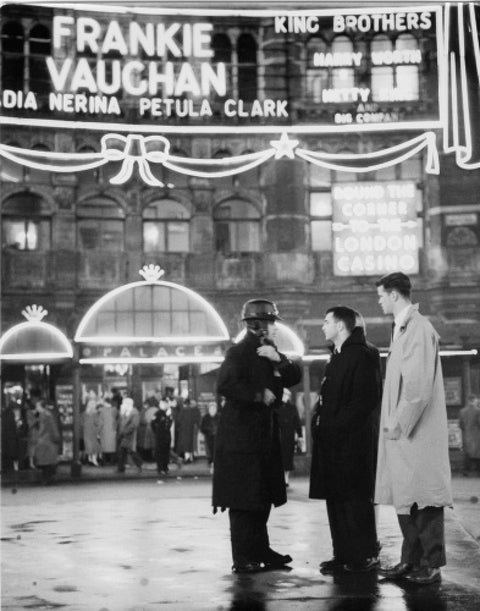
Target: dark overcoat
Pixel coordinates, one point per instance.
(248, 472)
(161, 426)
(188, 423)
(343, 427)
(48, 441)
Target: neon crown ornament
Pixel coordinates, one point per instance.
(151, 272)
(34, 313)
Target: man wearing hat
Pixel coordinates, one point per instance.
(248, 476)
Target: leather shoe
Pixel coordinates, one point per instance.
(395, 572)
(328, 567)
(275, 560)
(425, 576)
(369, 564)
(249, 567)
(327, 564)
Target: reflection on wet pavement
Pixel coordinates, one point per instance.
(145, 547)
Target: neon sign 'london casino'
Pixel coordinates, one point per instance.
(159, 61)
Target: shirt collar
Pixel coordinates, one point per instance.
(401, 317)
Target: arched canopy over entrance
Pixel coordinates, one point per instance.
(151, 321)
(34, 341)
(287, 340)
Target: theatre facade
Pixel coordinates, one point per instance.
(296, 153)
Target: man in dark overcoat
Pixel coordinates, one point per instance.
(343, 430)
(248, 474)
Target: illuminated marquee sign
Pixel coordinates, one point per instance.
(375, 228)
(150, 353)
(160, 69)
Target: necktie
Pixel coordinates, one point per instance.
(393, 332)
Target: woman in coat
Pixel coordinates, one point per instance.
(108, 429)
(188, 423)
(92, 429)
(48, 443)
(248, 475)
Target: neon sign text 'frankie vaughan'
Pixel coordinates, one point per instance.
(156, 41)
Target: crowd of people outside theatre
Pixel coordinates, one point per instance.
(114, 431)
(164, 430)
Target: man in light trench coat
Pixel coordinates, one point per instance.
(413, 469)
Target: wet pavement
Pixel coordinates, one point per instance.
(136, 544)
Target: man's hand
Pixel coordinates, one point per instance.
(269, 352)
(392, 433)
(268, 397)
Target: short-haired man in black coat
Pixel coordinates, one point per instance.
(343, 466)
(248, 474)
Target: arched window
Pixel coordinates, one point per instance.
(317, 76)
(406, 74)
(39, 49)
(166, 227)
(12, 56)
(237, 227)
(394, 68)
(342, 77)
(320, 74)
(247, 67)
(222, 52)
(26, 223)
(100, 225)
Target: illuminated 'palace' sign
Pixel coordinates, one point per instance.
(172, 68)
(375, 228)
(150, 353)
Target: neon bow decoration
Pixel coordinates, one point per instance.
(150, 153)
(134, 150)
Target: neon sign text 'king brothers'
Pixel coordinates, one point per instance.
(136, 77)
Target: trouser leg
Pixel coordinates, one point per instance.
(360, 533)
(248, 535)
(162, 454)
(261, 541)
(431, 531)
(353, 530)
(467, 463)
(122, 459)
(136, 458)
(423, 537)
(334, 522)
